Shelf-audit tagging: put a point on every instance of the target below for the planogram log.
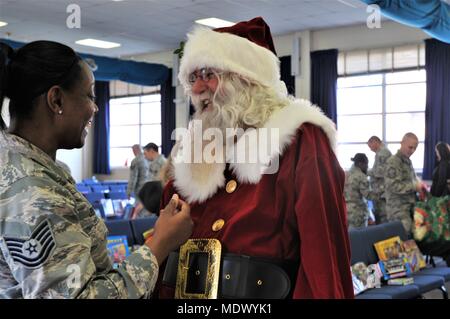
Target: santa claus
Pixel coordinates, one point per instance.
(266, 226)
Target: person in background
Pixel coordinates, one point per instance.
(441, 173)
(156, 160)
(52, 245)
(166, 172)
(376, 175)
(401, 183)
(440, 187)
(150, 194)
(150, 198)
(280, 219)
(357, 192)
(138, 172)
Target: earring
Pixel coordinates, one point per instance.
(60, 112)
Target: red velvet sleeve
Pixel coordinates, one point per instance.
(324, 270)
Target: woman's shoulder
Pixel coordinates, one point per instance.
(25, 176)
(15, 166)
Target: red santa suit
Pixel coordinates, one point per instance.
(296, 213)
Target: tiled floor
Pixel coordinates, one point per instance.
(436, 294)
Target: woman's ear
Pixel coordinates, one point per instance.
(54, 99)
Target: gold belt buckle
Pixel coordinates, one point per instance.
(208, 248)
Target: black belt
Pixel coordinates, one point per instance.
(241, 276)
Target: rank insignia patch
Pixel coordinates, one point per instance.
(34, 251)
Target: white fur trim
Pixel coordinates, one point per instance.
(208, 179)
(198, 183)
(229, 52)
(287, 121)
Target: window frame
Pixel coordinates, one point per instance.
(384, 113)
(140, 123)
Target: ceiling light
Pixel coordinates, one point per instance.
(347, 3)
(2, 24)
(214, 22)
(98, 43)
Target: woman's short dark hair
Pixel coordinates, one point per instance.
(150, 196)
(360, 158)
(443, 150)
(31, 71)
(441, 173)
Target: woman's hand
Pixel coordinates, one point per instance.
(172, 229)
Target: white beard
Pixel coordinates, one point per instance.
(204, 172)
(198, 182)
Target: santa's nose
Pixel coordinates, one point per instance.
(199, 86)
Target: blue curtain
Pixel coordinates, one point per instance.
(101, 129)
(432, 16)
(324, 81)
(108, 69)
(285, 69)
(140, 73)
(167, 114)
(437, 112)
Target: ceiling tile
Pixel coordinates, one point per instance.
(158, 25)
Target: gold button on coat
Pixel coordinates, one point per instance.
(231, 186)
(218, 224)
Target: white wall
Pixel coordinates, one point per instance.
(74, 159)
(80, 160)
(116, 174)
(361, 37)
(343, 38)
(164, 58)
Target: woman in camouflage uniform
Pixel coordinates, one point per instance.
(52, 245)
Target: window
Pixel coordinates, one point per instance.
(387, 105)
(362, 62)
(133, 120)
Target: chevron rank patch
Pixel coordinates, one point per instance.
(34, 251)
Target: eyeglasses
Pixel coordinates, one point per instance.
(205, 74)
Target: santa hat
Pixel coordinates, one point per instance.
(245, 48)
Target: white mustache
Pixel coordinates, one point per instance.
(202, 101)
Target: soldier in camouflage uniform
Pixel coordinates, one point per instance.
(138, 172)
(52, 245)
(376, 175)
(401, 183)
(156, 161)
(357, 192)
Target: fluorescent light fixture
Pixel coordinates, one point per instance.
(214, 22)
(98, 43)
(2, 24)
(347, 3)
